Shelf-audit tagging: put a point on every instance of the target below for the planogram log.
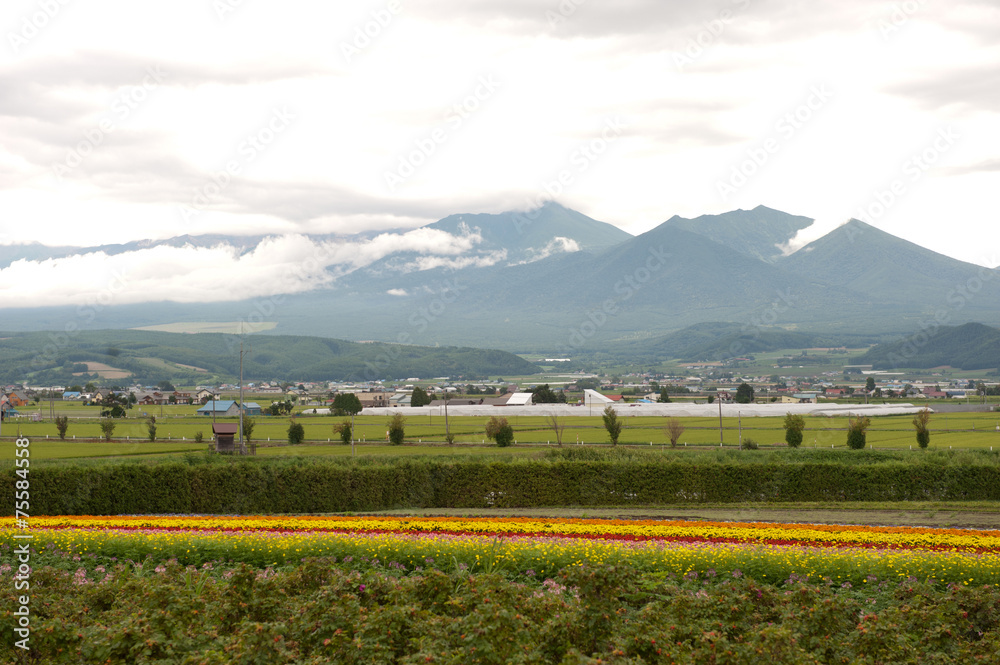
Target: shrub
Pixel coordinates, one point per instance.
(199, 437)
(108, 428)
(920, 421)
(505, 435)
(62, 424)
(248, 425)
(344, 431)
(856, 427)
(793, 430)
(493, 425)
(296, 433)
(397, 430)
(749, 444)
(612, 424)
(151, 428)
(673, 429)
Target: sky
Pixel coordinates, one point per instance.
(124, 121)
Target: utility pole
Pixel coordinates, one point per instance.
(720, 421)
(446, 431)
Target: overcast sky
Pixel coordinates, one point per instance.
(124, 120)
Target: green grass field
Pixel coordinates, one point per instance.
(176, 434)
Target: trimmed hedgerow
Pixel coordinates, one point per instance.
(258, 486)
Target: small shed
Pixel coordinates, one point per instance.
(225, 437)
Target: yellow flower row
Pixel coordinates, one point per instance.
(880, 537)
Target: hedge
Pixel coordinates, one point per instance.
(253, 487)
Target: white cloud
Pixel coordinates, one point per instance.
(277, 265)
(819, 228)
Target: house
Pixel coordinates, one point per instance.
(399, 399)
(204, 395)
(7, 410)
(834, 393)
(369, 400)
(518, 399)
(251, 408)
(71, 395)
(220, 408)
(594, 398)
(16, 399)
(225, 437)
(935, 394)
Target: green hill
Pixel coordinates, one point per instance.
(969, 347)
(756, 232)
(860, 257)
(206, 358)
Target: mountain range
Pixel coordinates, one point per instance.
(554, 281)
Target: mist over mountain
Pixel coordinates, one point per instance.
(555, 281)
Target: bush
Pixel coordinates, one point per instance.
(749, 444)
(199, 437)
(151, 428)
(793, 430)
(296, 433)
(493, 425)
(108, 428)
(62, 424)
(856, 427)
(505, 435)
(612, 424)
(920, 421)
(343, 430)
(397, 429)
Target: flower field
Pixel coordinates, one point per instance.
(762, 551)
(267, 589)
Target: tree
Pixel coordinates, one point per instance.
(793, 430)
(664, 397)
(166, 386)
(343, 430)
(397, 430)
(505, 436)
(108, 428)
(612, 424)
(114, 405)
(557, 426)
(419, 397)
(248, 425)
(296, 433)
(869, 384)
(981, 390)
(856, 427)
(744, 394)
(62, 424)
(711, 399)
(673, 430)
(151, 428)
(346, 404)
(90, 387)
(493, 426)
(920, 421)
(544, 395)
